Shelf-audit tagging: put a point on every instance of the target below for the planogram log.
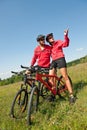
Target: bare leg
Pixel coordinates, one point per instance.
(63, 72)
(51, 79)
(68, 84)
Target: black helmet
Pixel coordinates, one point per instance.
(40, 37)
(48, 35)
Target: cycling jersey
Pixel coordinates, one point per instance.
(42, 56)
(57, 48)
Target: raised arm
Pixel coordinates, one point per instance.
(64, 43)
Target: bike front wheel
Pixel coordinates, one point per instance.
(33, 104)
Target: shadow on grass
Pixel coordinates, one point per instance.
(78, 86)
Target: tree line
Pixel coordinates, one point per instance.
(12, 79)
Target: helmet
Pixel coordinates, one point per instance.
(48, 35)
(40, 37)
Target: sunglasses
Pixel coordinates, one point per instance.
(41, 39)
(50, 37)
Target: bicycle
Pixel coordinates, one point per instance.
(20, 100)
(43, 82)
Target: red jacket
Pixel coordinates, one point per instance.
(57, 48)
(42, 56)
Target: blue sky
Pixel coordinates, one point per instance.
(22, 20)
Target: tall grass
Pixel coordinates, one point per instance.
(58, 115)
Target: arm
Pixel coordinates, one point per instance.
(66, 39)
(64, 43)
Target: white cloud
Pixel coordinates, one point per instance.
(79, 49)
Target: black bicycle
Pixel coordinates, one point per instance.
(20, 100)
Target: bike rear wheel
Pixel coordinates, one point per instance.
(33, 104)
(61, 86)
(19, 104)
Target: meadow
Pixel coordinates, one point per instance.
(58, 115)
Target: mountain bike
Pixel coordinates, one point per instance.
(20, 100)
(43, 86)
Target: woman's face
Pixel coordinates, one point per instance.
(51, 39)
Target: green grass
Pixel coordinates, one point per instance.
(58, 115)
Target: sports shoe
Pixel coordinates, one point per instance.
(72, 99)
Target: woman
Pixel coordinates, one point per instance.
(58, 60)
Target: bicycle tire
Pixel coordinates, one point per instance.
(19, 104)
(33, 104)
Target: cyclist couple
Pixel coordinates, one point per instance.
(43, 53)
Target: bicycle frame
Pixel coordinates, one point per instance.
(39, 77)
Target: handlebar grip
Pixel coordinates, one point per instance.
(17, 73)
(14, 72)
(24, 67)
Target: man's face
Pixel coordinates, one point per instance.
(41, 41)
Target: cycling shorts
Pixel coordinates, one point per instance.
(58, 63)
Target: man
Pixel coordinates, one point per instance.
(58, 61)
(42, 53)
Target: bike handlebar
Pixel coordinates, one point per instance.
(24, 67)
(36, 69)
(18, 73)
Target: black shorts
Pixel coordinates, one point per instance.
(59, 63)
